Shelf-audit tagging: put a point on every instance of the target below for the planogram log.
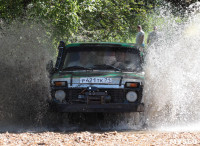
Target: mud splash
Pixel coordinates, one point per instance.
(24, 87)
(172, 94)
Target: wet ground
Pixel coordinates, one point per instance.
(101, 138)
(98, 131)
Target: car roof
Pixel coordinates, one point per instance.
(131, 45)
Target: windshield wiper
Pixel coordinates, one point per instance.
(105, 66)
(76, 68)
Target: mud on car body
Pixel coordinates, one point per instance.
(97, 77)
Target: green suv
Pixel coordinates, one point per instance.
(97, 77)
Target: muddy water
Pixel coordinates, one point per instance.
(172, 93)
(23, 76)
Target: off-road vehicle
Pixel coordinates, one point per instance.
(97, 77)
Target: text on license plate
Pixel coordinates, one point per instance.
(95, 80)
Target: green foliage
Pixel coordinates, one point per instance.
(10, 9)
(83, 20)
(59, 17)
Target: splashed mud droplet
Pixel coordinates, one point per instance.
(172, 94)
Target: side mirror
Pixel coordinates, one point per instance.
(49, 66)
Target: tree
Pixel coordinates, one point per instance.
(79, 20)
(11, 9)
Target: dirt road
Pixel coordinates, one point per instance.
(105, 138)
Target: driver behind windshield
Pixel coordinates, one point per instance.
(109, 58)
(127, 61)
(120, 59)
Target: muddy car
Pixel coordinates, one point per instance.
(97, 77)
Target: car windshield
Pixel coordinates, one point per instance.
(102, 59)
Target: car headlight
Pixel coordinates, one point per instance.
(60, 95)
(131, 96)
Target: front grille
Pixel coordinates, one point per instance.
(73, 94)
(117, 95)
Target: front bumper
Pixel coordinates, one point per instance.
(102, 108)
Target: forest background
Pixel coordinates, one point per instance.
(90, 20)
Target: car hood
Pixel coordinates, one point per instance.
(79, 74)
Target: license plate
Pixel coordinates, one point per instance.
(96, 80)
